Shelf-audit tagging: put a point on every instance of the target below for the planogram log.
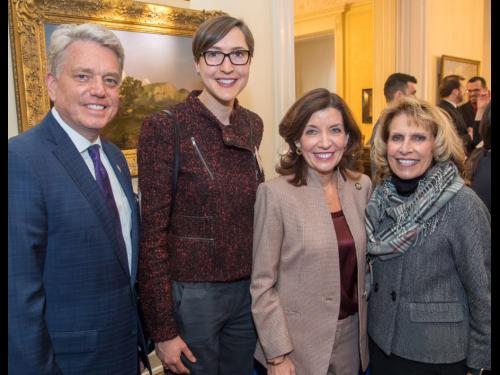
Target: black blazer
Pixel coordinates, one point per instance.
(481, 182)
(468, 114)
(459, 123)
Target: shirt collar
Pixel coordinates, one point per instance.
(80, 142)
(453, 104)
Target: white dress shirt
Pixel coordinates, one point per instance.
(82, 144)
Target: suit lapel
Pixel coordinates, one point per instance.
(124, 180)
(66, 152)
(348, 200)
(315, 192)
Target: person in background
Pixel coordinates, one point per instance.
(395, 86)
(308, 287)
(471, 112)
(480, 160)
(195, 266)
(73, 222)
(451, 92)
(429, 310)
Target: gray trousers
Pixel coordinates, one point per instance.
(215, 321)
(345, 359)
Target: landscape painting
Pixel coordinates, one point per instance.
(158, 73)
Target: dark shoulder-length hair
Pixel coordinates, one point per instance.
(292, 127)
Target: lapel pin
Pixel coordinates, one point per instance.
(357, 185)
(119, 169)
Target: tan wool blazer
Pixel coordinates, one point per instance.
(295, 283)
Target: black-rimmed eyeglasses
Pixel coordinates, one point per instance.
(237, 57)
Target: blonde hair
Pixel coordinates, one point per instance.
(447, 144)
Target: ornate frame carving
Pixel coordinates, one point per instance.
(27, 19)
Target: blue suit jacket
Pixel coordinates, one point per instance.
(72, 306)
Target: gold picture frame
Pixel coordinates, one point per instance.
(456, 65)
(366, 106)
(27, 20)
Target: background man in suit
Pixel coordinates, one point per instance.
(452, 92)
(395, 86)
(469, 110)
(73, 222)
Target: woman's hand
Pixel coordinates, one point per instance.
(281, 365)
(169, 352)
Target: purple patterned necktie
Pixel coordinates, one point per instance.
(102, 179)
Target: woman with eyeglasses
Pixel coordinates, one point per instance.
(196, 245)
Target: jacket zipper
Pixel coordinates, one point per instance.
(196, 238)
(201, 158)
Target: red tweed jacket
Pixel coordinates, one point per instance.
(210, 237)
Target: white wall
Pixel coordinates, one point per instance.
(486, 62)
(314, 64)
(455, 28)
(412, 35)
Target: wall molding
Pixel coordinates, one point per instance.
(411, 39)
(284, 66)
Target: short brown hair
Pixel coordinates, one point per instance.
(448, 84)
(396, 82)
(292, 127)
(216, 28)
(447, 144)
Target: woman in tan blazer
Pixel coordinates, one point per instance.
(307, 286)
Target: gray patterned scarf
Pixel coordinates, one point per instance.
(395, 224)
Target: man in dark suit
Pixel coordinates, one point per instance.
(73, 222)
(452, 92)
(469, 110)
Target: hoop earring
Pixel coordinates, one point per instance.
(298, 151)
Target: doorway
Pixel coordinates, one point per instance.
(314, 63)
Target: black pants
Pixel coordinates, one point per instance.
(215, 321)
(381, 364)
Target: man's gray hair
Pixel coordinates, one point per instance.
(66, 34)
